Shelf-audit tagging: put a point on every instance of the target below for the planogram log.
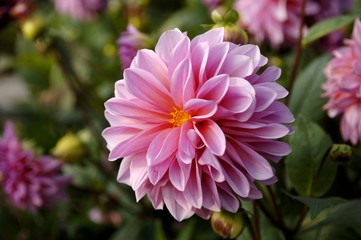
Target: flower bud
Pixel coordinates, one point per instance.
(69, 148)
(341, 152)
(227, 225)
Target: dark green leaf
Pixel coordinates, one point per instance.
(341, 221)
(308, 168)
(327, 26)
(317, 205)
(306, 98)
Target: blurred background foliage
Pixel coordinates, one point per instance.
(55, 74)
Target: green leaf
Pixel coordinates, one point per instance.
(327, 26)
(187, 230)
(317, 205)
(341, 221)
(306, 98)
(308, 168)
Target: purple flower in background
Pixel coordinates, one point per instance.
(343, 86)
(276, 21)
(80, 9)
(129, 43)
(212, 4)
(30, 181)
(327, 9)
(196, 124)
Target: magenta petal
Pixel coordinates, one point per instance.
(179, 174)
(156, 172)
(167, 42)
(178, 212)
(211, 198)
(211, 37)
(124, 171)
(199, 60)
(186, 150)
(216, 170)
(182, 83)
(151, 62)
(138, 171)
(214, 88)
(163, 146)
(178, 54)
(264, 97)
(193, 190)
(228, 200)
(145, 86)
(215, 63)
(236, 179)
(200, 108)
(238, 66)
(212, 136)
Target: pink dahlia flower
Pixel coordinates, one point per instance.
(80, 9)
(343, 86)
(30, 181)
(129, 43)
(194, 124)
(276, 21)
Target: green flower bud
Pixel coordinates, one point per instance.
(227, 225)
(341, 152)
(69, 148)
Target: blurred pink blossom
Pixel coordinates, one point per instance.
(195, 123)
(80, 9)
(276, 21)
(30, 181)
(129, 43)
(343, 86)
(212, 4)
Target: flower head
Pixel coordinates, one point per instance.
(276, 21)
(80, 9)
(129, 43)
(343, 86)
(195, 123)
(30, 181)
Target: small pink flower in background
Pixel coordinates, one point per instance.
(276, 21)
(129, 43)
(212, 4)
(30, 181)
(81, 9)
(343, 86)
(194, 123)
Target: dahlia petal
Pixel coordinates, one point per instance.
(216, 171)
(167, 42)
(124, 170)
(138, 143)
(179, 174)
(272, 148)
(178, 54)
(211, 199)
(215, 63)
(215, 88)
(228, 200)
(157, 172)
(141, 191)
(135, 109)
(138, 171)
(182, 78)
(151, 62)
(211, 37)
(178, 212)
(152, 90)
(239, 97)
(193, 190)
(200, 108)
(199, 60)
(236, 179)
(212, 136)
(163, 146)
(264, 97)
(255, 165)
(238, 65)
(156, 198)
(186, 151)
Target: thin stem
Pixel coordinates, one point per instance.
(298, 53)
(300, 220)
(274, 205)
(256, 221)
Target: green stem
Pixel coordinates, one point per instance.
(298, 53)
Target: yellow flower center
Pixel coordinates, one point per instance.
(178, 117)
